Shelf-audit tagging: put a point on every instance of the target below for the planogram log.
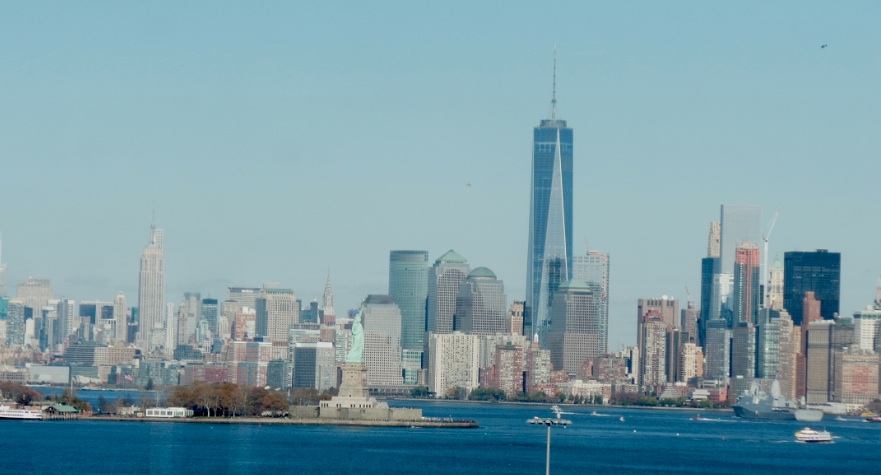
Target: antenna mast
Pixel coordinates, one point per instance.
(554, 91)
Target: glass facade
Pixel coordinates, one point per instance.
(740, 223)
(549, 258)
(408, 287)
(819, 272)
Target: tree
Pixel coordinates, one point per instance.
(149, 385)
(487, 394)
(420, 392)
(456, 392)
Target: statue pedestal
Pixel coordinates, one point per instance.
(354, 384)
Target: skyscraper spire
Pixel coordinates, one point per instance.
(554, 91)
(2, 270)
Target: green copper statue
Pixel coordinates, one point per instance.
(357, 348)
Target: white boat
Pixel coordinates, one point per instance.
(7, 412)
(810, 435)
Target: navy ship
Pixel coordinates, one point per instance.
(758, 404)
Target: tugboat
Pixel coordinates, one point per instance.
(810, 435)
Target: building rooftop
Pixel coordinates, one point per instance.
(451, 256)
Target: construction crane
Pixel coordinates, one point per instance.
(766, 237)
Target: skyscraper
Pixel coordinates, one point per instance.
(746, 284)
(120, 322)
(740, 224)
(818, 272)
(276, 309)
(408, 286)
(575, 330)
(329, 314)
(382, 341)
(444, 278)
(480, 305)
(549, 257)
(594, 270)
(151, 291)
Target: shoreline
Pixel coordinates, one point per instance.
(591, 406)
(425, 423)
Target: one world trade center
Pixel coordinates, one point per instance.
(549, 257)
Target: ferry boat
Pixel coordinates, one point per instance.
(810, 435)
(7, 412)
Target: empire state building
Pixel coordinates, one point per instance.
(549, 259)
(151, 291)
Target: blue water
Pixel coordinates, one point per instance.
(647, 441)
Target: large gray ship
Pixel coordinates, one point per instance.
(758, 404)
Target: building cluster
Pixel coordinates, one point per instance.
(757, 325)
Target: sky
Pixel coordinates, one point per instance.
(282, 141)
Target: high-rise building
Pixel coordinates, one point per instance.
(575, 330)
(867, 329)
(594, 270)
(35, 293)
(68, 321)
(246, 296)
(818, 272)
(408, 286)
(549, 256)
(15, 322)
(515, 318)
(714, 240)
(774, 290)
(454, 360)
(717, 350)
(382, 341)
(120, 320)
(444, 279)
(775, 350)
(743, 358)
(709, 269)
(740, 224)
(746, 296)
(314, 365)
(480, 305)
(211, 314)
(151, 291)
(277, 310)
(691, 362)
(689, 321)
(653, 351)
(329, 314)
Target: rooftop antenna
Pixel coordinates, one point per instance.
(554, 92)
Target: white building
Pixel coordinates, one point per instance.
(382, 341)
(453, 362)
(151, 291)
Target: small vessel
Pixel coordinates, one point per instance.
(621, 419)
(874, 419)
(7, 412)
(697, 417)
(810, 435)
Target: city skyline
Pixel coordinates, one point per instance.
(108, 118)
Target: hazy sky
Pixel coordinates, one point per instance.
(279, 141)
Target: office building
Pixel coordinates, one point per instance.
(709, 269)
(381, 319)
(594, 270)
(653, 352)
(313, 365)
(151, 291)
(120, 318)
(276, 310)
(444, 279)
(691, 362)
(867, 329)
(408, 287)
(328, 316)
(575, 329)
(481, 304)
(549, 256)
(818, 272)
(774, 290)
(515, 318)
(746, 296)
(717, 350)
(740, 224)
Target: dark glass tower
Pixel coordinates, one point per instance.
(819, 272)
(549, 258)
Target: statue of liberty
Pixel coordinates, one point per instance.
(355, 351)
